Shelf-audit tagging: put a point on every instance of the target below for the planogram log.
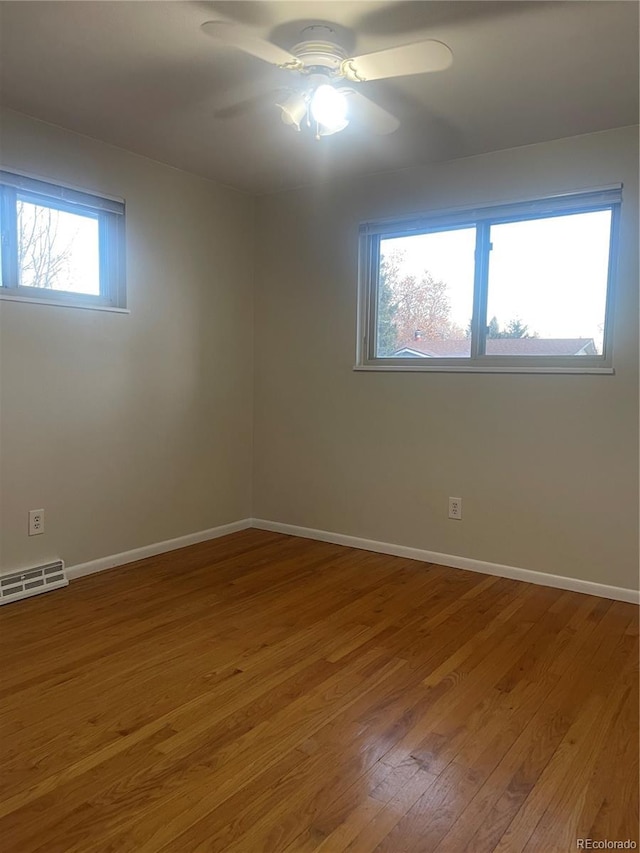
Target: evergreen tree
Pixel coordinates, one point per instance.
(493, 330)
(387, 329)
(516, 329)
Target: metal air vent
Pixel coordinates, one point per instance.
(30, 582)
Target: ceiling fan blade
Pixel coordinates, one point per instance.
(260, 102)
(365, 111)
(255, 103)
(235, 35)
(418, 58)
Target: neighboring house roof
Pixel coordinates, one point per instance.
(500, 346)
(408, 352)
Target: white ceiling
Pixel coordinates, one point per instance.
(143, 76)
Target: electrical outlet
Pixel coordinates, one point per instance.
(36, 522)
(455, 508)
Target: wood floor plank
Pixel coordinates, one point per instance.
(262, 693)
(491, 812)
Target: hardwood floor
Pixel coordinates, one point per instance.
(267, 693)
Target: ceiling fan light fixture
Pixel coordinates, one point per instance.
(323, 130)
(294, 109)
(329, 109)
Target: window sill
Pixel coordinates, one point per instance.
(410, 368)
(59, 303)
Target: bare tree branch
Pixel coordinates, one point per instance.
(43, 257)
(412, 306)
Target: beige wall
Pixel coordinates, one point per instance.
(547, 466)
(133, 429)
(130, 429)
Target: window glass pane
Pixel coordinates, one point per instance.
(548, 286)
(425, 295)
(57, 250)
(2, 232)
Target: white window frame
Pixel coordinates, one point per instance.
(110, 215)
(482, 218)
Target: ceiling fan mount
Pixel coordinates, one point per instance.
(326, 65)
(319, 52)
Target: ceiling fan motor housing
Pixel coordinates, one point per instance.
(319, 54)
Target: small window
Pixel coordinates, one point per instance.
(60, 245)
(514, 287)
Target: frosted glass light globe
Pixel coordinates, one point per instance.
(329, 107)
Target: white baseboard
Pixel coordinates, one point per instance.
(121, 559)
(527, 575)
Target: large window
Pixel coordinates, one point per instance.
(524, 286)
(60, 245)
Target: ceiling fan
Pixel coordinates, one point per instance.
(325, 93)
